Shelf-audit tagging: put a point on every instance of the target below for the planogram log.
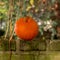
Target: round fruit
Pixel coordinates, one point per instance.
(26, 28)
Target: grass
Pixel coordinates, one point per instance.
(6, 56)
(42, 56)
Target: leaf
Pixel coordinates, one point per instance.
(32, 2)
(3, 10)
(28, 8)
(1, 17)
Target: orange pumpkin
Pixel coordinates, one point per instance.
(26, 28)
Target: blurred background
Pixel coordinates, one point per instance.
(47, 15)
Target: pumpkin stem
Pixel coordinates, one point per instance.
(26, 19)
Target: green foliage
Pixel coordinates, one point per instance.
(5, 45)
(3, 10)
(43, 13)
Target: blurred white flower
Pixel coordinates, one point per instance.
(39, 23)
(3, 24)
(45, 28)
(48, 22)
(2, 27)
(49, 26)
